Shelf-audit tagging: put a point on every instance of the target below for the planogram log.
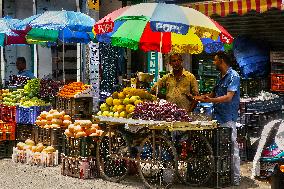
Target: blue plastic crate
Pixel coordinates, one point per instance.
(28, 115)
(207, 108)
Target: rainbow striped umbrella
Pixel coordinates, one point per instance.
(159, 27)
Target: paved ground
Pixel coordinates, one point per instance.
(19, 176)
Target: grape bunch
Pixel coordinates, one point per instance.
(160, 111)
(31, 89)
(17, 80)
(49, 88)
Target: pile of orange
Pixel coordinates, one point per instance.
(72, 89)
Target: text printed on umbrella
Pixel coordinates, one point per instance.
(104, 27)
(169, 27)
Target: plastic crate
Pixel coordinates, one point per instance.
(28, 115)
(6, 148)
(81, 167)
(24, 132)
(277, 68)
(220, 180)
(277, 82)
(7, 131)
(7, 113)
(81, 108)
(252, 87)
(80, 147)
(48, 137)
(222, 164)
(266, 106)
(219, 139)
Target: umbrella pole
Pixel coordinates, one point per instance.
(2, 67)
(63, 57)
(161, 43)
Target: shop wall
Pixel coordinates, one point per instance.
(107, 6)
(16, 9)
(23, 9)
(44, 54)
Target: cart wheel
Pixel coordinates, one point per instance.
(112, 168)
(157, 163)
(196, 160)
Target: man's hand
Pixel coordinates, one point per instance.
(207, 99)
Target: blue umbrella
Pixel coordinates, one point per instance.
(67, 26)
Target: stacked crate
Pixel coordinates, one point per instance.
(255, 114)
(48, 137)
(25, 119)
(28, 115)
(220, 142)
(7, 130)
(277, 71)
(207, 76)
(78, 157)
(77, 108)
(253, 86)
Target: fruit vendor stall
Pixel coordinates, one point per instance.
(162, 140)
(57, 124)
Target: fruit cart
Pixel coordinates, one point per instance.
(163, 151)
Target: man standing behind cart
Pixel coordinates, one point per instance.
(22, 67)
(180, 85)
(226, 99)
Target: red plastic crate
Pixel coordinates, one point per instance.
(277, 82)
(7, 131)
(7, 113)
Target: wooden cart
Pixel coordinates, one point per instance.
(162, 151)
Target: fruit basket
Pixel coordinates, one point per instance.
(79, 167)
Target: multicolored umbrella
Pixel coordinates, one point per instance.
(67, 26)
(159, 27)
(7, 34)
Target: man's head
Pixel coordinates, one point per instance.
(176, 61)
(21, 63)
(221, 61)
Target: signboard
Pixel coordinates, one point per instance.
(95, 73)
(94, 4)
(153, 65)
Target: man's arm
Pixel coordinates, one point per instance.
(221, 99)
(203, 97)
(159, 84)
(232, 88)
